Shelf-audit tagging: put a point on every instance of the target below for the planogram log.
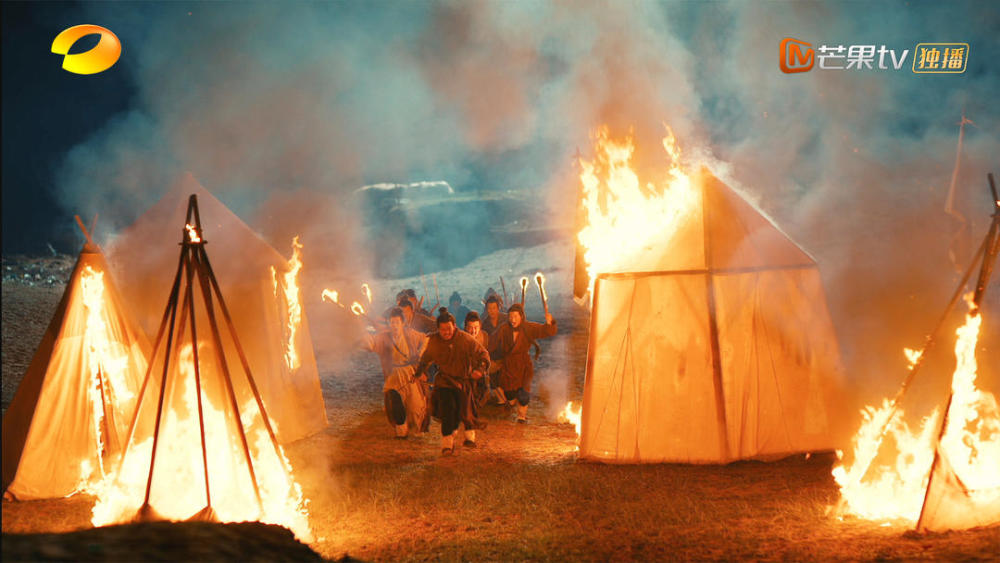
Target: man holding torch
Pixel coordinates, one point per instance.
(398, 350)
(511, 345)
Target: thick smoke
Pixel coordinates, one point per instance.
(283, 110)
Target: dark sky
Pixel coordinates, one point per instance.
(47, 111)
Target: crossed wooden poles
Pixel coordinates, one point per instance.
(193, 263)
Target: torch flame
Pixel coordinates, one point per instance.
(540, 281)
(971, 442)
(193, 235)
(332, 295)
(293, 305)
(357, 309)
(368, 292)
(624, 217)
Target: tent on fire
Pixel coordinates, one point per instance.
(715, 346)
(145, 262)
(67, 422)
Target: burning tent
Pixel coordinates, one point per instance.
(946, 474)
(201, 444)
(710, 337)
(274, 330)
(66, 425)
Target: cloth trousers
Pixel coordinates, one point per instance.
(394, 408)
(449, 408)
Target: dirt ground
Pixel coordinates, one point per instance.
(520, 495)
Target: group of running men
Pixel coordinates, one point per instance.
(450, 366)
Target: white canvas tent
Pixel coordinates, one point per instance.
(145, 259)
(67, 422)
(715, 346)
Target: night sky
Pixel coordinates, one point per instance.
(47, 111)
(263, 100)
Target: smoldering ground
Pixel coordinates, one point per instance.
(284, 110)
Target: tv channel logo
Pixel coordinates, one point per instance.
(795, 56)
(102, 57)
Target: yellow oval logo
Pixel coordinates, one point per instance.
(102, 57)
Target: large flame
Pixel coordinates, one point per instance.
(623, 216)
(971, 441)
(108, 390)
(293, 305)
(178, 490)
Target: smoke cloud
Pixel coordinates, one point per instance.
(283, 110)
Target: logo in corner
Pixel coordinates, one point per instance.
(795, 56)
(102, 57)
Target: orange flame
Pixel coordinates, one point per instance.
(179, 491)
(193, 235)
(332, 295)
(623, 216)
(368, 292)
(357, 309)
(572, 414)
(107, 361)
(971, 441)
(293, 305)
(540, 282)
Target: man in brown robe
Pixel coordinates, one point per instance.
(460, 359)
(511, 345)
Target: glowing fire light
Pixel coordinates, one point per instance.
(193, 235)
(971, 443)
(540, 281)
(623, 216)
(107, 361)
(357, 309)
(293, 306)
(332, 296)
(572, 414)
(368, 292)
(178, 490)
(912, 356)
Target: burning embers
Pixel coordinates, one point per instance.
(623, 216)
(289, 287)
(969, 441)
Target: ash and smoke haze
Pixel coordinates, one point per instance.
(284, 109)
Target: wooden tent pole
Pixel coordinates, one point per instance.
(243, 361)
(86, 233)
(156, 346)
(713, 328)
(206, 293)
(197, 380)
(172, 306)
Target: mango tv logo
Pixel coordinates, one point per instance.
(102, 57)
(795, 56)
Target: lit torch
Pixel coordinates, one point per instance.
(540, 281)
(331, 295)
(524, 288)
(368, 292)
